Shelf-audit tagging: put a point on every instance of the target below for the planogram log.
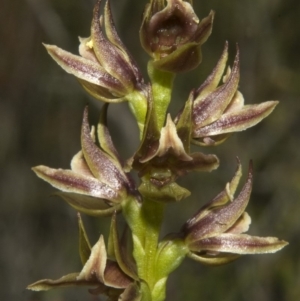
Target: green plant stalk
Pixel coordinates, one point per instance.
(138, 106)
(145, 223)
(162, 83)
(152, 215)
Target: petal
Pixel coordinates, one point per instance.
(109, 56)
(212, 81)
(204, 28)
(239, 244)
(104, 137)
(94, 268)
(170, 142)
(241, 225)
(221, 199)
(239, 120)
(213, 260)
(79, 165)
(65, 281)
(114, 276)
(86, 49)
(114, 38)
(89, 205)
(211, 108)
(85, 69)
(237, 103)
(69, 181)
(101, 165)
(220, 219)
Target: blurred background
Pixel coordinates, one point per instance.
(40, 117)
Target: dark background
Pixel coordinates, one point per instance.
(40, 116)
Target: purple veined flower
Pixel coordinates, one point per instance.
(164, 155)
(172, 34)
(96, 184)
(219, 109)
(107, 273)
(104, 67)
(215, 234)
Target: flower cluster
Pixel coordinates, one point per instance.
(135, 266)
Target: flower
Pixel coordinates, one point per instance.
(96, 184)
(105, 68)
(219, 110)
(214, 234)
(108, 276)
(172, 34)
(165, 155)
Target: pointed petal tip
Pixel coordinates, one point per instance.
(212, 14)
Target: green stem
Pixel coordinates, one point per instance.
(152, 214)
(162, 82)
(138, 106)
(145, 222)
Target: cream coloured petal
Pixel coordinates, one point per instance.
(95, 266)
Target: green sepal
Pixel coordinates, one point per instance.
(170, 255)
(120, 251)
(131, 210)
(84, 244)
(184, 125)
(145, 291)
(88, 205)
(171, 192)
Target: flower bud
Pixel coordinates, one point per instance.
(172, 34)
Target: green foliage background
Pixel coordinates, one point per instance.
(40, 117)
